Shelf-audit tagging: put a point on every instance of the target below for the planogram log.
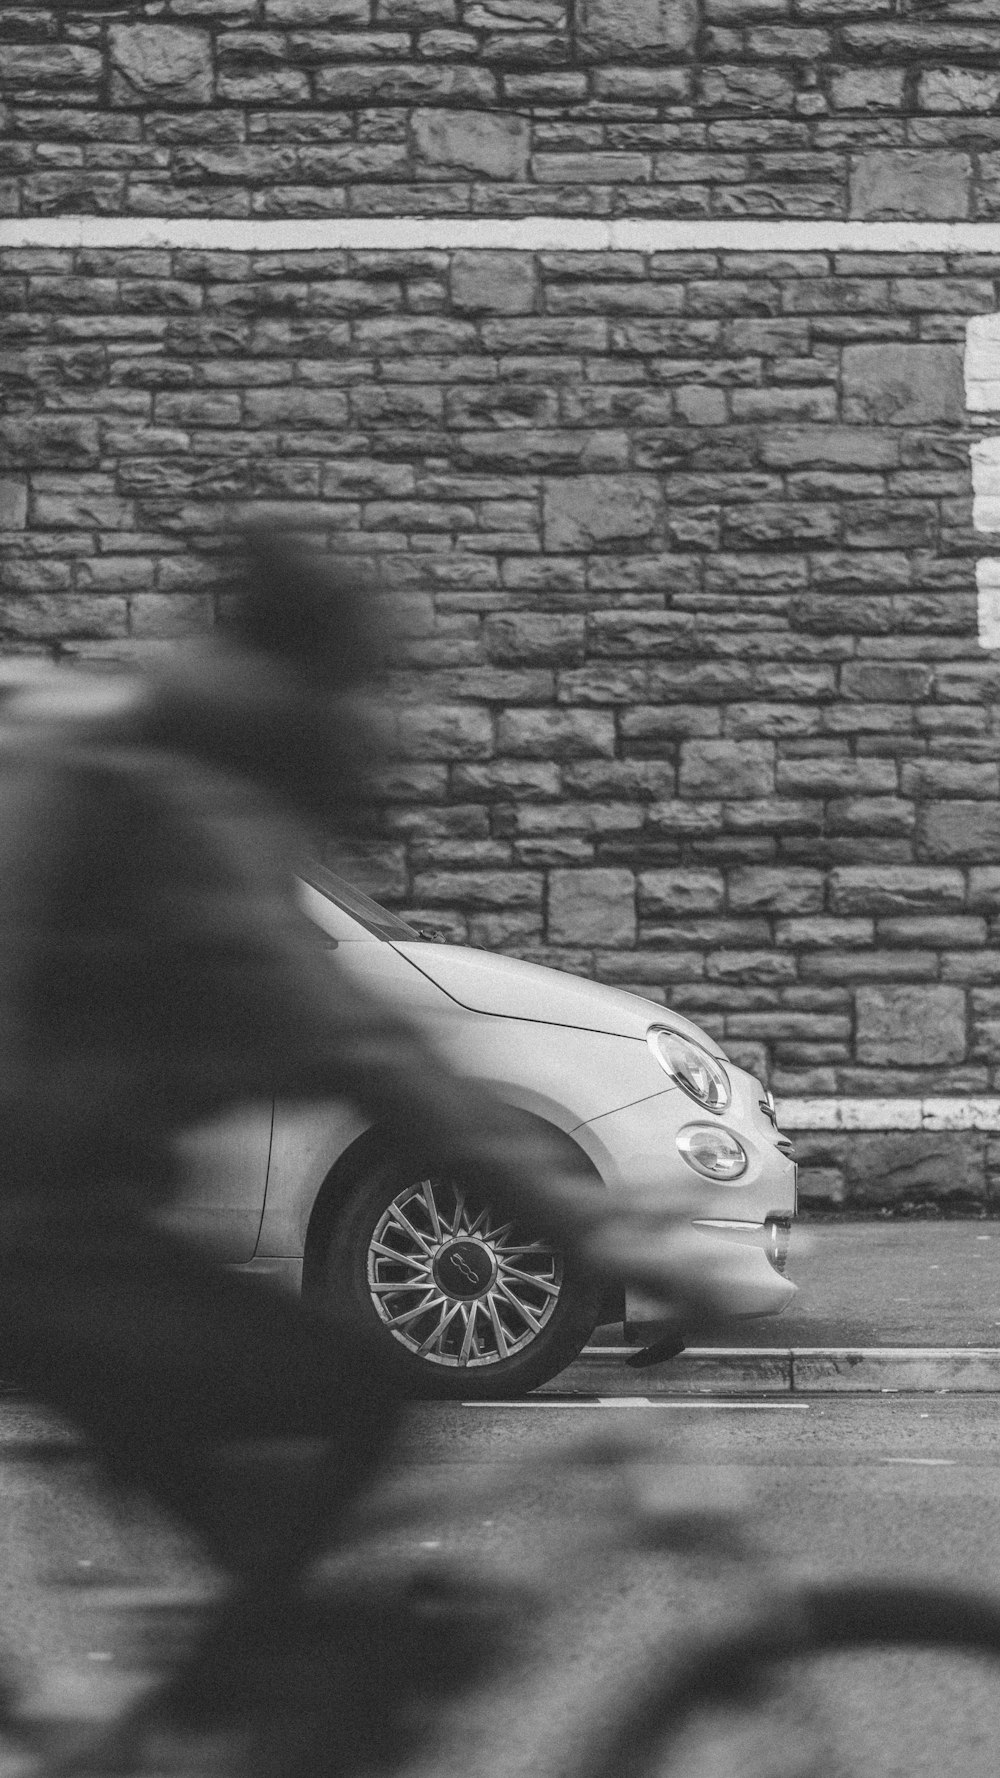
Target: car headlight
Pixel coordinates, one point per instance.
(690, 1065)
(712, 1152)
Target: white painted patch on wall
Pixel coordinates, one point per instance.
(982, 364)
(934, 1115)
(982, 396)
(988, 591)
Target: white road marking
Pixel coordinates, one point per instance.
(624, 1401)
(928, 1462)
(639, 1401)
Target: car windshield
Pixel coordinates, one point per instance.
(360, 907)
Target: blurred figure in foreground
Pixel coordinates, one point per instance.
(154, 971)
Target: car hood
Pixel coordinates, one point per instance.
(508, 988)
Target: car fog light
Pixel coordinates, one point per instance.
(777, 1234)
(712, 1152)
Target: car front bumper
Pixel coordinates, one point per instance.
(744, 1223)
(747, 1255)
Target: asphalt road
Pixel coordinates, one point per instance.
(903, 1486)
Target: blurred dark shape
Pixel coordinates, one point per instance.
(155, 969)
(329, 629)
(286, 697)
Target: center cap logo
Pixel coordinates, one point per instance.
(464, 1269)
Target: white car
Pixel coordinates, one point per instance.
(465, 1305)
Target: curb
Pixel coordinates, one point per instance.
(785, 1370)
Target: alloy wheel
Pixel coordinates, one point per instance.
(453, 1283)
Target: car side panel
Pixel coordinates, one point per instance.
(225, 1167)
(564, 1077)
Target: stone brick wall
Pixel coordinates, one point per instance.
(694, 698)
(727, 108)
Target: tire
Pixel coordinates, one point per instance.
(809, 1620)
(461, 1304)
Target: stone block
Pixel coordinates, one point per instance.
(323, 12)
(51, 441)
(822, 932)
(506, 780)
(903, 1169)
(599, 511)
(701, 407)
(951, 777)
(903, 385)
(886, 682)
(984, 888)
(165, 64)
(960, 829)
(494, 146)
(502, 283)
(910, 183)
(909, 1025)
(441, 731)
(531, 638)
(480, 889)
(895, 889)
(750, 968)
(958, 90)
(556, 734)
(592, 907)
(13, 503)
(883, 815)
(837, 776)
(760, 889)
(607, 28)
(753, 92)
(727, 768)
(52, 613)
(829, 447)
(875, 90)
(944, 931)
(681, 892)
(51, 66)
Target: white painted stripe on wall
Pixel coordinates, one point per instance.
(988, 599)
(982, 364)
(982, 396)
(889, 1114)
(540, 233)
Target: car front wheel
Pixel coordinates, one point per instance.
(463, 1302)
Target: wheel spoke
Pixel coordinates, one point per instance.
(434, 1301)
(415, 1263)
(503, 1347)
(399, 1215)
(470, 1345)
(445, 1320)
(521, 1308)
(479, 1226)
(458, 1220)
(427, 1190)
(378, 1288)
(543, 1284)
